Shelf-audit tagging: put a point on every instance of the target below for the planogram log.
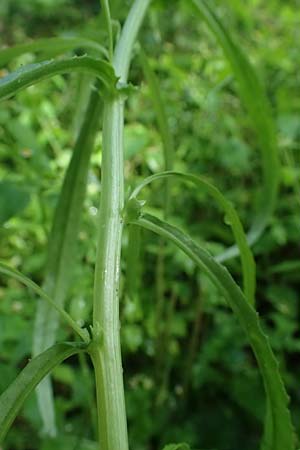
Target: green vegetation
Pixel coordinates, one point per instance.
(176, 118)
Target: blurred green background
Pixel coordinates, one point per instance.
(189, 373)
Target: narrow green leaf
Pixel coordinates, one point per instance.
(53, 46)
(254, 97)
(232, 218)
(34, 73)
(6, 270)
(280, 433)
(14, 396)
(62, 248)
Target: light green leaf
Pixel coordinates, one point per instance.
(254, 97)
(53, 46)
(62, 248)
(280, 432)
(14, 396)
(34, 73)
(248, 263)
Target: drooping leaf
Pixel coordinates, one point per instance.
(50, 46)
(34, 73)
(255, 100)
(12, 399)
(248, 264)
(279, 433)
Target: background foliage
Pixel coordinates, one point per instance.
(188, 371)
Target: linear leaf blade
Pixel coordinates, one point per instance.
(12, 399)
(34, 73)
(62, 247)
(255, 100)
(280, 433)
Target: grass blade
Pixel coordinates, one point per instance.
(34, 73)
(14, 396)
(50, 46)
(6, 270)
(255, 100)
(62, 247)
(232, 218)
(280, 434)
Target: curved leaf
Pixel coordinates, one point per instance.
(34, 73)
(248, 263)
(280, 433)
(53, 46)
(254, 97)
(14, 396)
(6, 270)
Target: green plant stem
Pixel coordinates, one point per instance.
(106, 353)
(107, 358)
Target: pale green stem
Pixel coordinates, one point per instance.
(106, 352)
(107, 357)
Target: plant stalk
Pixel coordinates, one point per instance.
(106, 352)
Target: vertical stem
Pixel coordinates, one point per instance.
(106, 353)
(107, 357)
